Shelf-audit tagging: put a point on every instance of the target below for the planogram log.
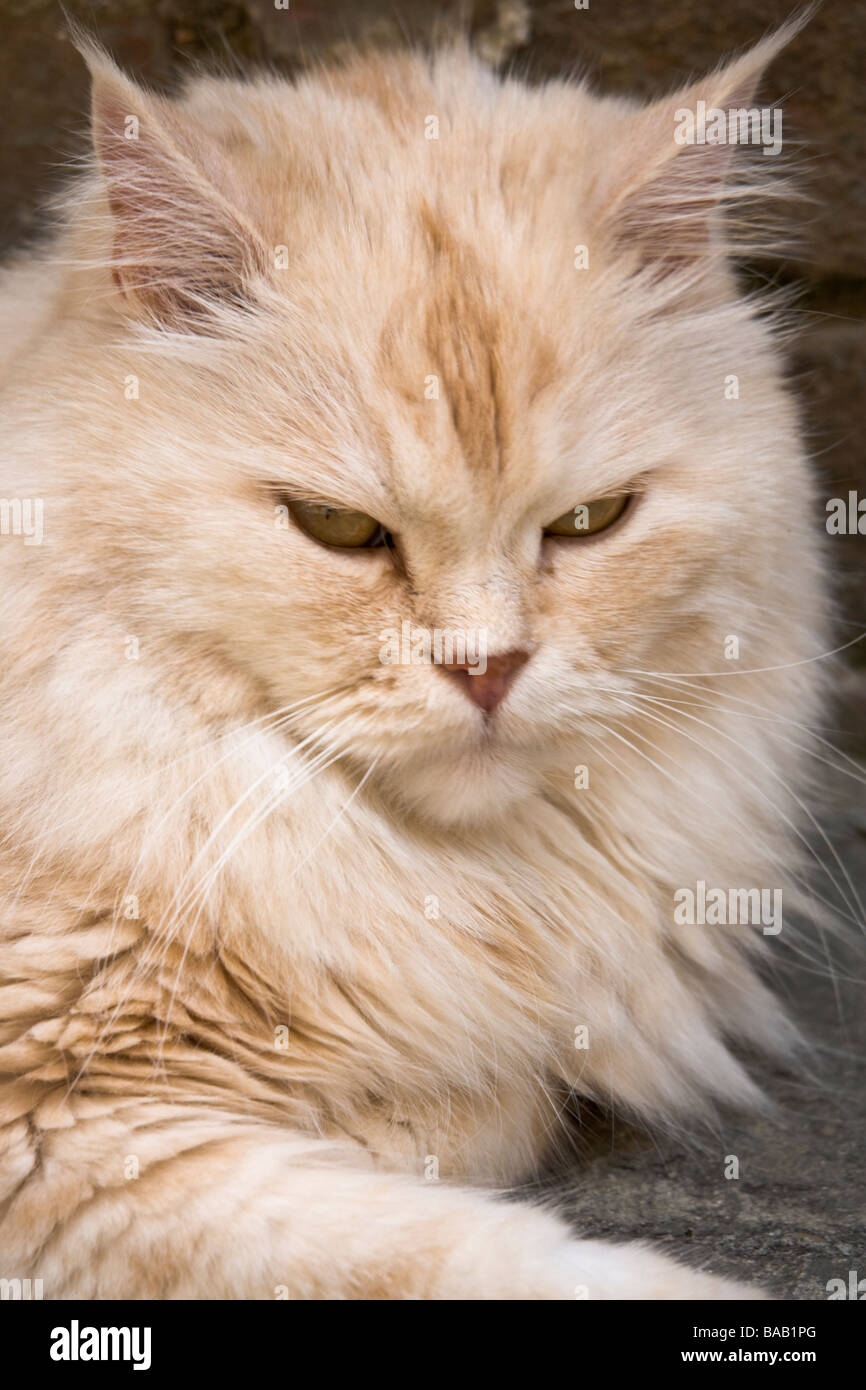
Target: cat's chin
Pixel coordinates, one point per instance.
(462, 790)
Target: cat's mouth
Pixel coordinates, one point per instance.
(465, 780)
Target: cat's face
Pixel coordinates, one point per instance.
(423, 349)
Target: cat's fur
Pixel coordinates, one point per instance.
(246, 1012)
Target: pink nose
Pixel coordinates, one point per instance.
(487, 688)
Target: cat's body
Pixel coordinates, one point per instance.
(272, 981)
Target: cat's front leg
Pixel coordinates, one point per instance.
(220, 1207)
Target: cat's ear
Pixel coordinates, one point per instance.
(180, 244)
(663, 194)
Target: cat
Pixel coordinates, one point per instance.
(303, 950)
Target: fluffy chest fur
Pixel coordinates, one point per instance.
(296, 952)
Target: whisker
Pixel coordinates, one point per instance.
(755, 670)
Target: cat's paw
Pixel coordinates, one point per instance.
(589, 1269)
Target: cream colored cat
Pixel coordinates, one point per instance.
(300, 948)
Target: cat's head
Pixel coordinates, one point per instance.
(433, 370)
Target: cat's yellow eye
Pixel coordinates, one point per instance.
(336, 526)
(589, 517)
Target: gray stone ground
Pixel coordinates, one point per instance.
(796, 1217)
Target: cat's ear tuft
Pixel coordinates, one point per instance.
(678, 167)
(180, 244)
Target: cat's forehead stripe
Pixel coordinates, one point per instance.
(487, 363)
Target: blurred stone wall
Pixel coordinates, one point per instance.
(624, 46)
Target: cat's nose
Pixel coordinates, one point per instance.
(488, 687)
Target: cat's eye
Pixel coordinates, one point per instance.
(589, 517)
(337, 526)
